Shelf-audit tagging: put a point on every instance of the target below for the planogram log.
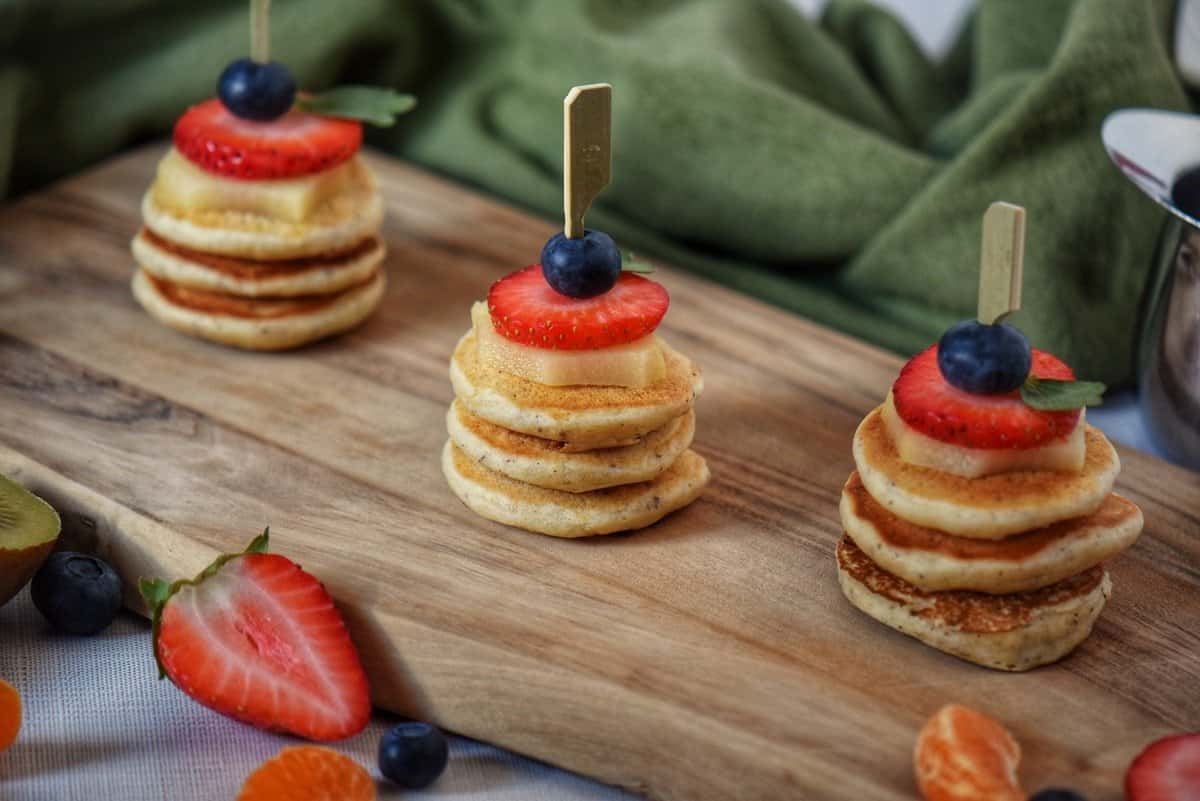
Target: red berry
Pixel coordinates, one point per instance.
(1168, 770)
(931, 405)
(527, 310)
(259, 640)
(296, 144)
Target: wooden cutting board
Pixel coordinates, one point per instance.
(710, 657)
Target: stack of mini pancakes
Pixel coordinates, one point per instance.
(1003, 570)
(571, 461)
(263, 265)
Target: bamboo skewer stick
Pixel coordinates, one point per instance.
(1001, 262)
(587, 151)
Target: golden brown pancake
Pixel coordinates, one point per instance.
(257, 323)
(343, 223)
(990, 507)
(585, 417)
(933, 560)
(1007, 632)
(544, 463)
(497, 497)
(313, 275)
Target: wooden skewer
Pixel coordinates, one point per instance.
(260, 31)
(587, 151)
(1000, 263)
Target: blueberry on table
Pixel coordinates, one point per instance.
(1056, 794)
(581, 268)
(254, 91)
(77, 593)
(413, 755)
(984, 359)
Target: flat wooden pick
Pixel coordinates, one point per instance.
(260, 32)
(587, 151)
(1001, 260)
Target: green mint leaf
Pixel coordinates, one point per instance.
(373, 104)
(631, 264)
(1051, 395)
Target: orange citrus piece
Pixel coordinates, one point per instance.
(309, 773)
(10, 714)
(963, 755)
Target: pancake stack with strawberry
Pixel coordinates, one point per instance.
(261, 226)
(572, 417)
(981, 511)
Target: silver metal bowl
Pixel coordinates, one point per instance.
(1160, 152)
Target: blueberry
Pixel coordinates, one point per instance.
(77, 593)
(1056, 794)
(254, 91)
(413, 755)
(584, 267)
(984, 359)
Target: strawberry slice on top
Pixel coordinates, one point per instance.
(930, 404)
(527, 310)
(256, 638)
(296, 144)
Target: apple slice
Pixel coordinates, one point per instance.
(29, 528)
(635, 364)
(183, 187)
(1065, 455)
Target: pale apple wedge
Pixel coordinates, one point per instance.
(1064, 456)
(184, 188)
(29, 529)
(636, 364)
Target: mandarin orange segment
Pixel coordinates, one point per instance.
(10, 714)
(309, 773)
(963, 755)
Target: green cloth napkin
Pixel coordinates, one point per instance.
(827, 167)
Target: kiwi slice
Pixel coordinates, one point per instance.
(29, 528)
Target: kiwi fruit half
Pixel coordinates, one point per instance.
(29, 528)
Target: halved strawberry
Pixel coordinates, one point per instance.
(928, 403)
(1168, 770)
(256, 638)
(525, 309)
(296, 144)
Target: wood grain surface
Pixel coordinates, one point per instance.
(710, 657)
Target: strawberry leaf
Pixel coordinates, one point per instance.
(373, 104)
(631, 264)
(1052, 395)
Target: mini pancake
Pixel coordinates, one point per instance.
(543, 463)
(932, 560)
(313, 275)
(258, 324)
(1006, 632)
(584, 417)
(497, 497)
(990, 507)
(338, 225)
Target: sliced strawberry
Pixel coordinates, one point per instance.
(295, 144)
(527, 310)
(256, 638)
(1168, 770)
(928, 403)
